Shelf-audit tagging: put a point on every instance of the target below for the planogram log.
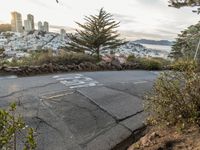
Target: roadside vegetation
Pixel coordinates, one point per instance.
(174, 102)
(176, 99)
(174, 109)
(46, 57)
(42, 58)
(14, 131)
(150, 63)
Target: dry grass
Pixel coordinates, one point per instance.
(169, 139)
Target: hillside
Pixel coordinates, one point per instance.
(38, 40)
(154, 42)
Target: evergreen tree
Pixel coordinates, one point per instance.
(186, 43)
(182, 3)
(97, 34)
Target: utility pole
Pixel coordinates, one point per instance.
(195, 56)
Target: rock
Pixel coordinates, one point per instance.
(144, 141)
(102, 65)
(153, 135)
(79, 68)
(11, 69)
(82, 66)
(116, 64)
(71, 67)
(50, 67)
(147, 139)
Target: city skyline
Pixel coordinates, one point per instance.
(151, 19)
(17, 24)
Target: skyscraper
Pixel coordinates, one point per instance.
(46, 26)
(40, 26)
(62, 34)
(31, 19)
(28, 25)
(16, 22)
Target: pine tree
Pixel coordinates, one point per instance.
(97, 34)
(186, 43)
(182, 3)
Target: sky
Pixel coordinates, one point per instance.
(149, 19)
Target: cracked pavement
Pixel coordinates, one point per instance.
(84, 111)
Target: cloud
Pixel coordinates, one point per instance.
(124, 19)
(40, 3)
(133, 35)
(56, 28)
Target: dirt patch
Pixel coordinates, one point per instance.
(169, 139)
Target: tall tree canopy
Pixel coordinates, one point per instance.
(97, 34)
(182, 3)
(186, 43)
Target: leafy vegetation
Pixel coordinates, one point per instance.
(12, 126)
(182, 3)
(184, 65)
(186, 43)
(175, 97)
(149, 63)
(40, 58)
(97, 34)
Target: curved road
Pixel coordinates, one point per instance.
(89, 111)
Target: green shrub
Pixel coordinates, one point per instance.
(175, 99)
(70, 58)
(12, 125)
(150, 64)
(40, 58)
(131, 58)
(184, 65)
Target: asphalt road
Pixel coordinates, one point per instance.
(89, 111)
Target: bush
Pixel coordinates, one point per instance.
(40, 58)
(176, 98)
(131, 58)
(150, 64)
(184, 65)
(10, 127)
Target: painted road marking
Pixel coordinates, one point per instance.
(76, 81)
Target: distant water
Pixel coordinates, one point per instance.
(158, 47)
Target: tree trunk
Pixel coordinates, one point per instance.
(98, 54)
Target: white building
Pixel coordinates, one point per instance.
(3, 41)
(40, 26)
(62, 33)
(31, 19)
(16, 22)
(27, 25)
(46, 26)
